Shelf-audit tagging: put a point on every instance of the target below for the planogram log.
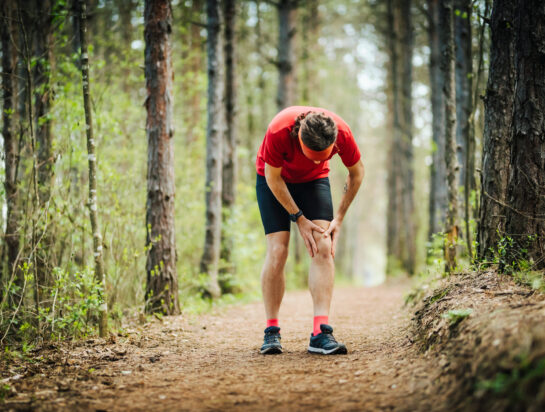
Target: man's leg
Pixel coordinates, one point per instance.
(273, 285)
(322, 273)
(320, 279)
(272, 276)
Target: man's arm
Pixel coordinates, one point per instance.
(353, 183)
(280, 191)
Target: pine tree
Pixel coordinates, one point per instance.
(499, 101)
(214, 146)
(400, 242)
(229, 158)
(446, 39)
(10, 144)
(525, 216)
(162, 278)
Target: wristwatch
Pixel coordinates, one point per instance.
(295, 216)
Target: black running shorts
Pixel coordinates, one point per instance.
(313, 198)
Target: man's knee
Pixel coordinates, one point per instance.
(324, 246)
(277, 252)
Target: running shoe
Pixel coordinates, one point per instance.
(325, 344)
(271, 342)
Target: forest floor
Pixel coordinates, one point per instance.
(212, 362)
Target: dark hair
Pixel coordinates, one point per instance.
(318, 131)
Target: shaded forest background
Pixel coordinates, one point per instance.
(372, 62)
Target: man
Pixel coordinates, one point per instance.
(293, 185)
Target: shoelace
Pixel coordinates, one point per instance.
(329, 337)
(271, 337)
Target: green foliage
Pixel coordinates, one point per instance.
(69, 309)
(519, 384)
(440, 294)
(68, 295)
(78, 303)
(511, 255)
(532, 278)
(5, 390)
(435, 251)
(455, 316)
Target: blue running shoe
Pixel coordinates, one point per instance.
(325, 344)
(271, 342)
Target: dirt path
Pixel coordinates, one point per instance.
(212, 362)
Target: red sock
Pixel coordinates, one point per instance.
(319, 320)
(272, 322)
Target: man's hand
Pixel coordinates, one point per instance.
(306, 227)
(333, 230)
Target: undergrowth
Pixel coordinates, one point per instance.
(517, 384)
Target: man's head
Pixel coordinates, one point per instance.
(317, 134)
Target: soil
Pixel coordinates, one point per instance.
(400, 358)
(494, 358)
(212, 362)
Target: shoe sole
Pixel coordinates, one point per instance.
(273, 350)
(339, 350)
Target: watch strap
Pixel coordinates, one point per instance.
(296, 216)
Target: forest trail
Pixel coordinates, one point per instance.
(211, 362)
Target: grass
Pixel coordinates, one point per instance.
(532, 278)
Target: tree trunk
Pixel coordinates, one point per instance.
(194, 65)
(400, 220)
(309, 40)
(125, 9)
(97, 238)
(42, 42)
(286, 57)
(214, 147)
(11, 155)
(446, 37)
(162, 279)
(463, 72)
(75, 12)
(464, 106)
(525, 222)
(42, 95)
(229, 159)
(499, 101)
(438, 174)
(285, 95)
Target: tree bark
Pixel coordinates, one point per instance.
(438, 175)
(194, 64)
(286, 57)
(401, 245)
(125, 9)
(309, 42)
(76, 42)
(11, 156)
(463, 73)
(285, 96)
(229, 159)
(499, 101)
(42, 32)
(525, 222)
(464, 107)
(214, 147)
(95, 227)
(43, 95)
(162, 279)
(446, 37)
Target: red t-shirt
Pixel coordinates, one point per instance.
(279, 149)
